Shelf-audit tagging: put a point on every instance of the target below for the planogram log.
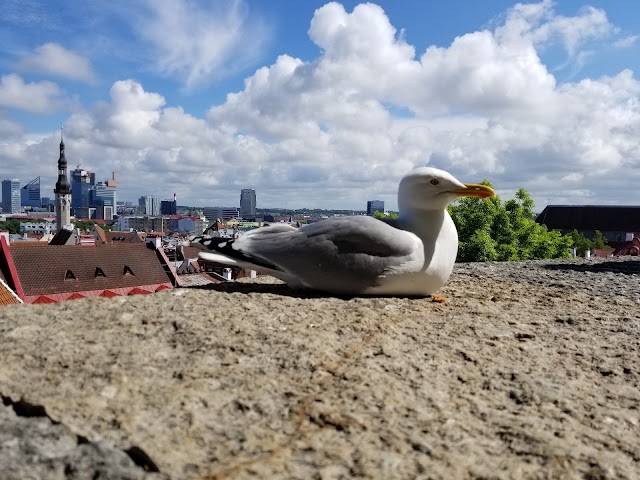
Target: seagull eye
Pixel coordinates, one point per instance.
(434, 181)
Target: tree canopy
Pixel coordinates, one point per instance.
(380, 215)
(12, 225)
(583, 244)
(491, 229)
(87, 225)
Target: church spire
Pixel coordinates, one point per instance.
(62, 185)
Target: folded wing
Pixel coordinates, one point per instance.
(340, 254)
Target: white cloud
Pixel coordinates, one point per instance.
(200, 42)
(34, 97)
(328, 132)
(538, 23)
(54, 59)
(626, 42)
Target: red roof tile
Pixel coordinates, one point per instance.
(75, 296)
(44, 299)
(109, 294)
(7, 297)
(69, 268)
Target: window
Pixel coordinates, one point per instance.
(69, 275)
(99, 272)
(127, 271)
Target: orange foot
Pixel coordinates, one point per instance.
(438, 298)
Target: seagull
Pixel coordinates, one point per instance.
(412, 256)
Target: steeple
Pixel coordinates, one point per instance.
(63, 192)
(62, 185)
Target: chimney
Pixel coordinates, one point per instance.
(154, 240)
(226, 273)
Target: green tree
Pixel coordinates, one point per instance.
(380, 215)
(506, 231)
(480, 247)
(85, 226)
(12, 225)
(599, 241)
(582, 243)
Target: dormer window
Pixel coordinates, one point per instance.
(127, 271)
(99, 272)
(69, 275)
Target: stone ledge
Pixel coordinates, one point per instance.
(527, 370)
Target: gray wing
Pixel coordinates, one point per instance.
(338, 254)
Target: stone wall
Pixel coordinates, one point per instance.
(526, 370)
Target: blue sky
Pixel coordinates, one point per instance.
(317, 104)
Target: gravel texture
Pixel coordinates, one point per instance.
(526, 370)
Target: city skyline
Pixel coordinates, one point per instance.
(537, 95)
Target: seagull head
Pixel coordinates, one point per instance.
(428, 188)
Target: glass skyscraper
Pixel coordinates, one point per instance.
(375, 206)
(103, 198)
(82, 181)
(11, 196)
(30, 194)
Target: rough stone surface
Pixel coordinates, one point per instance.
(35, 447)
(528, 370)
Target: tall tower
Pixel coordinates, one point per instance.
(11, 196)
(62, 191)
(247, 203)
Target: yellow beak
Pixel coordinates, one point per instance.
(475, 190)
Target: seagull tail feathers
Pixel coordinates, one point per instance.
(223, 251)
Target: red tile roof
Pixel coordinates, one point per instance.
(7, 296)
(69, 268)
(108, 236)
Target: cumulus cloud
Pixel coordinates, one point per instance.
(344, 127)
(54, 59)
(199, 42)
(34, 97)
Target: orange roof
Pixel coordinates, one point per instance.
(7, 297)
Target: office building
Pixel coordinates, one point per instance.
(168, 207)
(140, 223)
(375, 206)
(149, 205)
(220, 213)
(30, 194)
(248, 203)
(47, 204)
(185, 225)
(11, 196)
(82, 182)
(103, 198)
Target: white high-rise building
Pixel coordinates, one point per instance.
(248, 203)
(148, 205)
